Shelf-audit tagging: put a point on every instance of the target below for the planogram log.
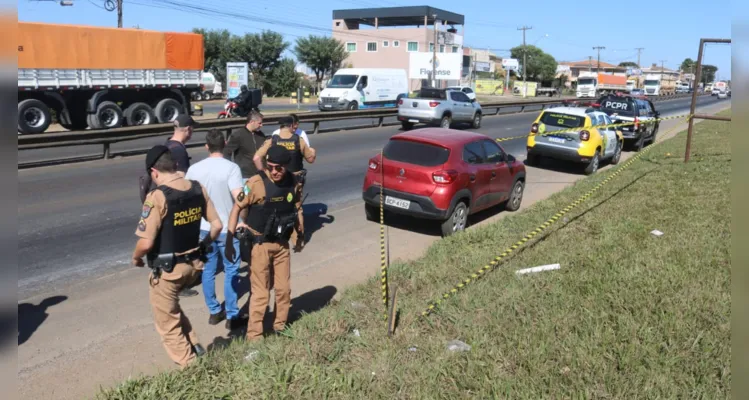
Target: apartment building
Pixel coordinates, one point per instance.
(404, 37)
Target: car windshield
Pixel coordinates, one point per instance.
(651, 82)
(611, 105)
(562, 120)
(426, 155)
(343, 81)
(586, 81)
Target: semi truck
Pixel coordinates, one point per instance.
(103, 78)
(659, 85)
(593, 85)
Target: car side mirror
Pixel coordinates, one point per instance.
(510, 159)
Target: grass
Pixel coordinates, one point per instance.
(628, 315)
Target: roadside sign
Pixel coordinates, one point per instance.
(510, 64)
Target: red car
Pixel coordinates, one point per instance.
(443, 175)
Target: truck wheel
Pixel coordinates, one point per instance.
(197, 96)
(139, 114)
(33, 116)
(108, 115)
(207, 96)
(445, 122)
(167, 110)
(353, 106)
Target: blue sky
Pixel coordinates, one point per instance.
(669, 30)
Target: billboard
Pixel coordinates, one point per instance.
(448, 66)
(510, 64)
(489, 86)
(483, 66)
(237, 74)
(517, 90)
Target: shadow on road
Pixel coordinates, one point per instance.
(315, 219)
(31, 317)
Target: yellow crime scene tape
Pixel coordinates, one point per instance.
(383, 253)
(495, 262)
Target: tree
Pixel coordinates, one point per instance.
(217, 50)
(628, 64)
(687, 65)
(541, 66)
(708, 73)
(321, 54)
(282, 79)
(262, 51)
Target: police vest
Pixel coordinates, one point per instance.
(294, 147)
(180, 228)
(279, 205)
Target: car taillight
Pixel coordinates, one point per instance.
(637, 123)
(434, 104)
(400, 101)
(447, 176)
(373, 164)
(584, 135)
(534, 128)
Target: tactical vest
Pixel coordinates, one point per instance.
(278, 209)
(294, 147)
(180, 228)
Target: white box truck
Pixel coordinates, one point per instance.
(659, 85)
(362, 88)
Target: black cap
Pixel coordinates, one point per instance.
(279, 155)
(184, 120)
(153, 154)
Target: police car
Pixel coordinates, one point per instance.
(635, 109)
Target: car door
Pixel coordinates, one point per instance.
(364, 90)
(479, 174)
(501, 176)
(654, 115)
(459, 103)
(611, 139)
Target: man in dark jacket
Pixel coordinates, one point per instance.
(244, 142)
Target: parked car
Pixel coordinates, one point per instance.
(724, 93)
(586, 144)
(637, 109)
(465, 89)
(443, 175)
(439, 106)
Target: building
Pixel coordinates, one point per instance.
(403, 37)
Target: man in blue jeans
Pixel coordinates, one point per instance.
(222, 180)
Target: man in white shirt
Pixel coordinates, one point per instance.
(222, 180)
(295, 128)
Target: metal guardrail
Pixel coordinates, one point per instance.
(107, 137)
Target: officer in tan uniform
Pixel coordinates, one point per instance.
(169, 237)
(286, 138)
(274, 219)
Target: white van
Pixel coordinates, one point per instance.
(359, 88)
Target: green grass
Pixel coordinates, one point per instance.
(628, 315)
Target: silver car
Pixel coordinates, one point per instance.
(443, 107)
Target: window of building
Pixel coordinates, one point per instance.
(385, 43)
(413, 46)
(455, 49)
(442, 48)
(431, 47)
(371, 46)
(351, 47)
(396, 43)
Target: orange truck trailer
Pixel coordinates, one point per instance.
(104, 78)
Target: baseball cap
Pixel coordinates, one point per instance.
(278, 154)
(153, 154)
(184, 120)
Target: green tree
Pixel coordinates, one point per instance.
(541, 65)
(217, 50)
(262, 51)
(282, 79)
(323, 55)
(687, 65)
(628, 64)
(708, 73)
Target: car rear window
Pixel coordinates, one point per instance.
(611, 105)
(431, 93)
(562, 120)
(426, 155)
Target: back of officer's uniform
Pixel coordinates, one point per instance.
(171, 217)
(294, 146)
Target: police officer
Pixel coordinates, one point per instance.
(169, 232)
(274, 220)
(286, 138)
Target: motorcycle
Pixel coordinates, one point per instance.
(231, 109)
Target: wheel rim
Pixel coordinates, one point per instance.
(141, 117)
(108, 117)
(517, 194)
(445, 123)
(595, 164)
(459, 219)
(170, 113)
(34, 117)
(477, 121)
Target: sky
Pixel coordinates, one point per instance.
(668, 30)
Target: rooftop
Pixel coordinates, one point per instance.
(587, 63)
(398, 16)
(440, 136)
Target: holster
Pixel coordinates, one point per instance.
(245, 245)
(162, 262)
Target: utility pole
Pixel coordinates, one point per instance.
(599, 48)
(590, 63)
(525, 59)
(434, 53)
(119, 13)
(639, 50)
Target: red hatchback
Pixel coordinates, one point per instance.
(443, 175)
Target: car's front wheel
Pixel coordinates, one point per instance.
(457, 221)
(516, 196)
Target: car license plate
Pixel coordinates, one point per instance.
(415, 121)
(328, 106)
(557, 140)
(395, 202)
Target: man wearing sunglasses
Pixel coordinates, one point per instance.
(273, 197)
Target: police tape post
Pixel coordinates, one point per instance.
(383, 253)
(520, 243)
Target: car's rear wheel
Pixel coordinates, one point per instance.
(457, 221)
(617, 154)
(516, 196)
(592, 166)
(476, 121)
(445, 122)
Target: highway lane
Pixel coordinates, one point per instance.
(77, 221)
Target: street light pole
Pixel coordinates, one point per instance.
(525, 60)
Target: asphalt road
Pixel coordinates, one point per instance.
(77, 221)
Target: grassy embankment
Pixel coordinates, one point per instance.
(628, 315)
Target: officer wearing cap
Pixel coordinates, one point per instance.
(169, 237)
(274, 220)
(298, 149)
